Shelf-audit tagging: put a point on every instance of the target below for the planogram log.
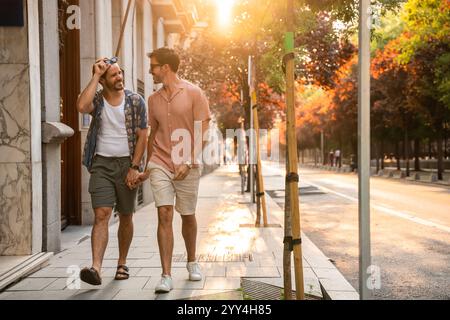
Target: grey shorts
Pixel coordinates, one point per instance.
(107, 185)
(166, 191)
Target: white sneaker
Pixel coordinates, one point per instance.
(165, 285)
(195, 273)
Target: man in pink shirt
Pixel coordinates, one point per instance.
(176, 113)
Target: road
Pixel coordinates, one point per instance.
(410, 229)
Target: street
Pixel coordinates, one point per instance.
(410, 229)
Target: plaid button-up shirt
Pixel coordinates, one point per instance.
(135, 119)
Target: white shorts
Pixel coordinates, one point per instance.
(166, 190)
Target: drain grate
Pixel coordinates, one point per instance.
(255, 290)
(230, 257)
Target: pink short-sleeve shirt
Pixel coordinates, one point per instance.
(187, 105)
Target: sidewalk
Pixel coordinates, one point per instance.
(227, 251)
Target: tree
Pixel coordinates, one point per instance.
(323, 50)
(426, 49)
(391, 84)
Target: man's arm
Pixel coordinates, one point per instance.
(202, 114)
(151, 139)
(142, 136)
(146, 174)
(133, 177)
(85, 99)
(197, 152)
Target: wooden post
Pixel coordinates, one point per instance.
(287, 253)
(292, 174)
(122, 28)
(260, 193)
(261, 196)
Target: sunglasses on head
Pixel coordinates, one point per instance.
(113, 60)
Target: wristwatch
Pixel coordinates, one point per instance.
(188, 164)
(135, 167)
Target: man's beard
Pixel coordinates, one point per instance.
(117, 86)
(157, 80)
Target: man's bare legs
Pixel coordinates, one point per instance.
(125, 236)
(190, 236)
(100, 236)
(165, 238)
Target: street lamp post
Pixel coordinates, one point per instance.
(364, 149)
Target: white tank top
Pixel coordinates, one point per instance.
(112, 140)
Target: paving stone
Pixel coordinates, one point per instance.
(109, 283)
(135, 295)
(343, 295)
(336, 284)
(36, 295)
(217, 295)
(149, 272)
(176, 295)
(32, 284)
(51, 273)
(220, 283)
(59, 284)
(260, 272)
(94, 294)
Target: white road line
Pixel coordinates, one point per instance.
(384, 209)
(388, 211)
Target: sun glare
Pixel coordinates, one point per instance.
(224, 12)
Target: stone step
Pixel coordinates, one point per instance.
(29, 266)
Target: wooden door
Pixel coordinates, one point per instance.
(70, 88)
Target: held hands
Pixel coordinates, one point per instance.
(141, 178)
(132, 179)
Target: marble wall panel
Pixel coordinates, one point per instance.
(15, 209)
(14, 114)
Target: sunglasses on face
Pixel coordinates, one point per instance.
(153, 66)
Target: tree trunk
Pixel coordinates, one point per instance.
(440, 154)
(430, 156)
(315, 157)
(406, 146)
(397, 154)
(446, 145)
(416, 154)
(377, 156)
(382, 154)
(355, 147)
